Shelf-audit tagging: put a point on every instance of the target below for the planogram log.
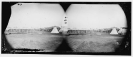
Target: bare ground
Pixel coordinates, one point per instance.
(93, 43)
(34, 41)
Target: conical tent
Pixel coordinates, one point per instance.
(54, 30)
(122, 31)
(114, 31)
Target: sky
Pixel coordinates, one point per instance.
(79, 16)
(95, 16)
(36, 16)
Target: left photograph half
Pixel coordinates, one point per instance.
(33, 26)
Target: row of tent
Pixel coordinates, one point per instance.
(114, 31)
(19, 31)
(121, 31)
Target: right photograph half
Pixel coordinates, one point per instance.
(96, 28)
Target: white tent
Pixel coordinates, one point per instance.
(123, 31)
(63, 29)
(120, 30)
(54, 30)
(114, 31)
